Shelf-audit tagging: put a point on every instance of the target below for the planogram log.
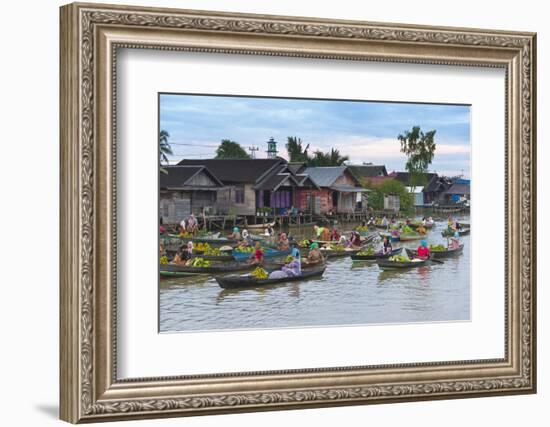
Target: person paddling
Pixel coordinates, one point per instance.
(423, 250)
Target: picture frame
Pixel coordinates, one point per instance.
(90, 37)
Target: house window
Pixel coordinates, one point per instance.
(239, 194)
(165, 209)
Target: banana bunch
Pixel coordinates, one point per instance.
(202, 247)
(259, 273)
(437, 248)
(200, 262)
(246, 249)
(164, 259)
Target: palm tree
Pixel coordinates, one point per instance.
(296, 150)
(164, 147)
(332, 158)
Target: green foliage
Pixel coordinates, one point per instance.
(389, 186)
(419, 147)
(296, 151)
(333, 158)
(164, 147)
(231, 150)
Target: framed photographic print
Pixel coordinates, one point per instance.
(266, 212)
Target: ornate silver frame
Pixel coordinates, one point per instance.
(90, 36)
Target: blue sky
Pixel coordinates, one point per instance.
(365, 131)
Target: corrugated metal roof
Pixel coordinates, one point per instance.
(178, 176)
(325, 176)
(237, 170)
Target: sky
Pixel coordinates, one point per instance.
(365, 131)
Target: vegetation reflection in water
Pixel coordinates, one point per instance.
(349, 293)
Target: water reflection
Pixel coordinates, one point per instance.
(348, 293)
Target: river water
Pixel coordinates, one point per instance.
(349, 293)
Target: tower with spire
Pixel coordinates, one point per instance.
(271, 148)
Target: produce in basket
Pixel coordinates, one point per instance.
(259, 273)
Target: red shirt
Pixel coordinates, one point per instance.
(423, 252)
(259, 255)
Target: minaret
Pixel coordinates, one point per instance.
(271, 148)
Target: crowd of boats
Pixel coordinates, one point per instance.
(244, 259)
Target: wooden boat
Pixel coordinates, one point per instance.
(260, 226)
(440, 254)
(410, 237)
(168, 270)
(223, 258)
(357, 257)
(448, 233)
(386, 264)
(268, 253)
(393, 238)
(331, 253)
(248, 281)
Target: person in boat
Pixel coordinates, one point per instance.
(371, 220)
(184, 254)
(162, 250)
(322, 233)
(247, 238)
(423, 250)
(335, 235)
(236, 234)
(291, 269)
(269, 231)
(429, 221)
(182, 226)
(385, 221)
(423, 222)
(343, 241)
(454, 242)
(315, 256)
(355, 240)
(257, 257)
(386, 246)
(283, 244)
(192, 224)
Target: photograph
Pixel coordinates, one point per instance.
(293, 213)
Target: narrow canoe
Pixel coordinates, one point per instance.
(391, 237)
(268, 253)
(440, 254)
(463, 232)
(260, 226)
(247, 281)
(217, 268)
(410, 237)
(386, 264)
(338, 253)
(357, 257)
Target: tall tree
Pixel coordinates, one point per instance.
(296, 151)
(231, 150)
(419, 147)
(332, 158)
(165, 149)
